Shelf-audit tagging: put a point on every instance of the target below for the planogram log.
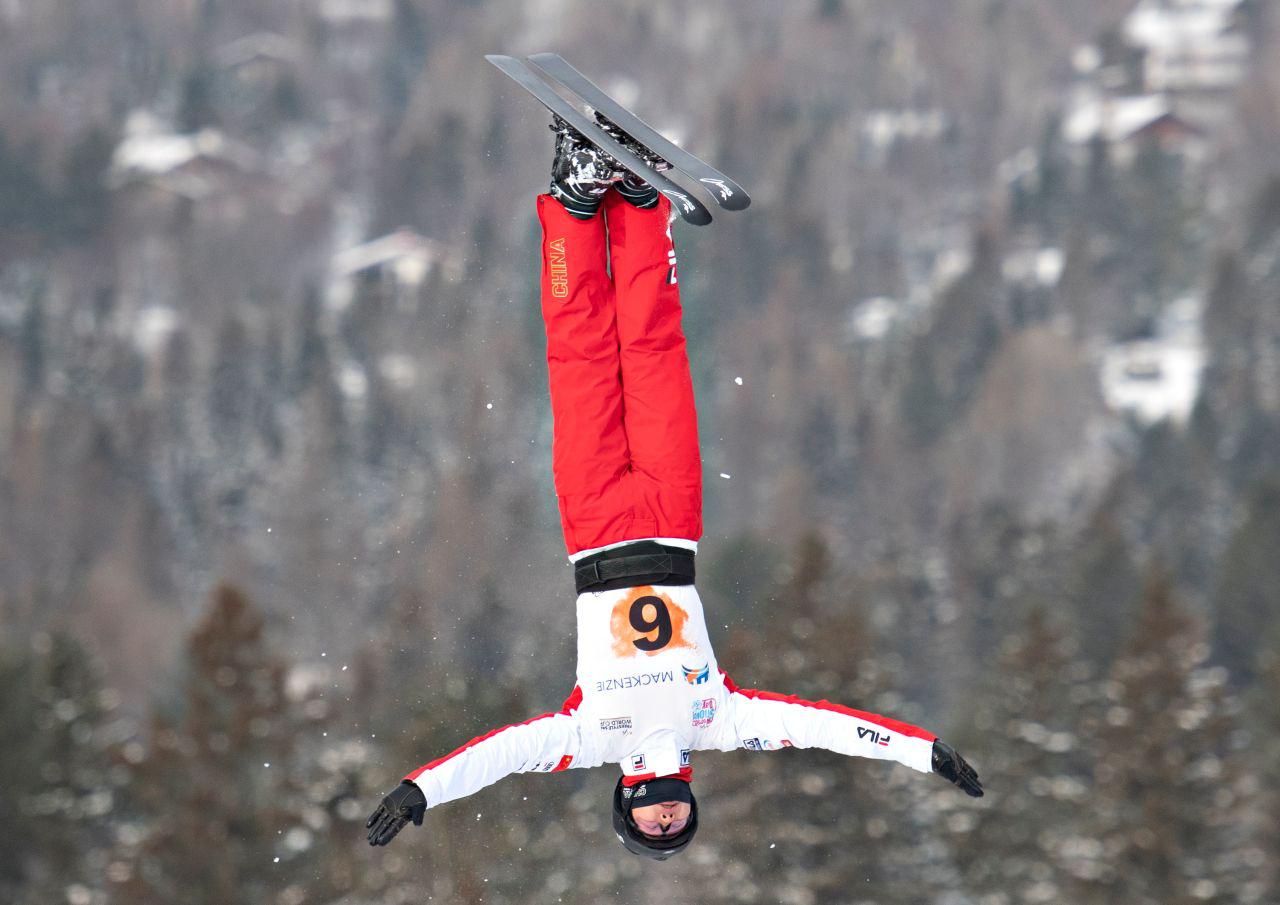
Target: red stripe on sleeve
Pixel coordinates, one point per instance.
(570, 704)
(471, 744)
(892, 725)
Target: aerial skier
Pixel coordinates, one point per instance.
(628, 478)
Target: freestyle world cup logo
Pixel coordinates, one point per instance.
(697, 675)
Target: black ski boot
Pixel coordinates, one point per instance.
(631, 187)
(581, 173)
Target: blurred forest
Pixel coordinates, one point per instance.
(989, 395)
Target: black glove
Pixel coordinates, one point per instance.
(954, 768)
(403, 803)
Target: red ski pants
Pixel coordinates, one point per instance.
(625, 448)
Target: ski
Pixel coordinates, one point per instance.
(690, 208)
(727, 193)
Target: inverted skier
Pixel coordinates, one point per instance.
(628, 478)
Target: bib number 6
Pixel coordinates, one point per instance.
(649, 614)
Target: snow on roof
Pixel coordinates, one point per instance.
(1172, 25)
(1189, 44)
(148, 149)
(1114, 118)
(409, 254)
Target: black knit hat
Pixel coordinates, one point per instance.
(660, 848)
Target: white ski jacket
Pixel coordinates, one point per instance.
(650, 693)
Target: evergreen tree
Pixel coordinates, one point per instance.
(1162, 209)
(85, 197)
(947, 362)
(312, 357)
(1165, 801)
(1246, 604)
(34, 340)
(1103, 583)
(230, 384)
(1265, 752)
(196, 108)
(58, 789)
(1027, 728)
(793, 818)
(219, 801)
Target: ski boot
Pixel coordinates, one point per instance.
(581, 173)
(631, 187)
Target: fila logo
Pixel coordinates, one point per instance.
(558, 268)
(879, 738)
(637, 762)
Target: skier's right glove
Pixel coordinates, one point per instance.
(403, 803)
(948, 764)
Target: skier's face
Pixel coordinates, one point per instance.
(666, 818)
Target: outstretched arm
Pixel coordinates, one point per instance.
(545, 744)
(766, 720)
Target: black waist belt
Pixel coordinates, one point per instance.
(644, 562)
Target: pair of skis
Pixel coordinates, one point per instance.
(727, 193)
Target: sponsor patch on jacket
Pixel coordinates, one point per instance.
(684, 757)
(697, 675)
(637, 762)
(752, 744)
(544, 766)
(704, 712)
(616, 724)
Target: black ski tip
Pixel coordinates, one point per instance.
(738, 201)
(698, 216)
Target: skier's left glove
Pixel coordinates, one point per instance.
(403, 803)
(948, 764)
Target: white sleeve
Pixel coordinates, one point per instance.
(544, 744)
(766, 721)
